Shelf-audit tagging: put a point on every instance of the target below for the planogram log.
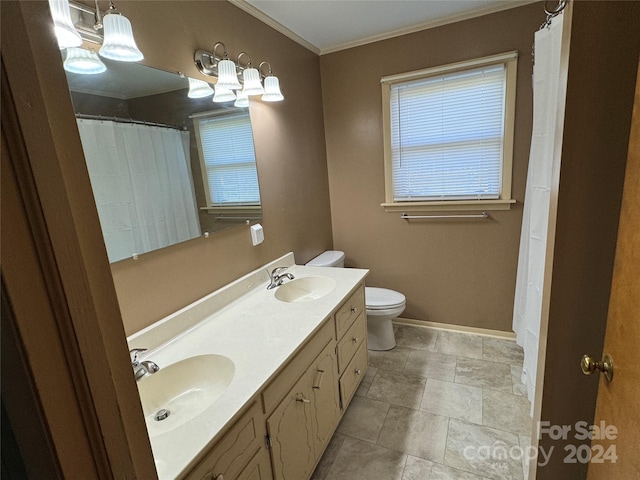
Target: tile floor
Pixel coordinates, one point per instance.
(426, 407)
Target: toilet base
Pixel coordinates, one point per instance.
(380, 334)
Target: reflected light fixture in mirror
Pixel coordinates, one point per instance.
(84, 62)
(223, 95)
(199, 88)
(242, 100)
(66, 33)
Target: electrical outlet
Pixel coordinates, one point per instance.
(257, 234)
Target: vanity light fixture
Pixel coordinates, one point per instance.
(199, 88)
(228, 74)
(84, 62)
(119, 43)
(272, 91)
(251, 78)
(66, 33)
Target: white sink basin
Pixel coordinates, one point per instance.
(305, 289)
(184, 389)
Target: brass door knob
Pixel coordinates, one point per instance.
(589, 366)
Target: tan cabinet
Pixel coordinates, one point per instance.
(351, 331)
(240, 454)
(303, 423)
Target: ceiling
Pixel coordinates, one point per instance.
(325, 26)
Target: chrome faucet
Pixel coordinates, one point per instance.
(140, 369)
(276, 279)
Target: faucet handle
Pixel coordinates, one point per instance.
(277, 270)
(133, 353)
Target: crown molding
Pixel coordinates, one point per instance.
(250, 9)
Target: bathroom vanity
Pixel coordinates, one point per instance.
(255, 379)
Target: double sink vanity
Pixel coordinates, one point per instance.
(252, 381)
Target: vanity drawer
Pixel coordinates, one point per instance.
(236, 449)
(353, 375)
(349, 311)
(289, 375)
(348, 345)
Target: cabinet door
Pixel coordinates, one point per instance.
(325, 397)
(259, 468)
(291, 432)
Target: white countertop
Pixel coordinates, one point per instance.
(245, 322)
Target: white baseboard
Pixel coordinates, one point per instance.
(456, 328)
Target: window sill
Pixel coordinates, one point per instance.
(449, 206)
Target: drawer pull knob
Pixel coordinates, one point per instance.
(354, 309)
(218, 476)
(355, 339)
(300, 398)
(358, 371)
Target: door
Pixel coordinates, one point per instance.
(617, 436)
(325, 397)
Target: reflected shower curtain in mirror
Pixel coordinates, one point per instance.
(142, 185)
(539, 216)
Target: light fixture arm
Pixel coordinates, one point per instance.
(260, 69)
(97, 24)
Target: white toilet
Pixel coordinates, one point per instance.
(383, 305)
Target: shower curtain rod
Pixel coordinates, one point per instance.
(552, 13)
(85, 116)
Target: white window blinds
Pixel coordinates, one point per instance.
(447, 135)
(226, 143)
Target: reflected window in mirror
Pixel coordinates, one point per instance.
(228, 162)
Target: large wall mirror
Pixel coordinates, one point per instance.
(164, 168)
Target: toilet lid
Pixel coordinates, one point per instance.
(382, 298)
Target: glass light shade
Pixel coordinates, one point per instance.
(199, 88)
(242, 100)
(252, 84)
(84, 62)
(223, 95)
(66, 33)
(272, 91)
(227, 76)
(118, 39)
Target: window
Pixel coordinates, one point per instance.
(448, 134)
(227, 158)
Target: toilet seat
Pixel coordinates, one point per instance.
(383, 299)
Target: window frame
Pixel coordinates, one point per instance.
(504, 202)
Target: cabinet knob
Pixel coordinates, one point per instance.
(355, 339)
(354, 309)
(358, 371)
(217, 476)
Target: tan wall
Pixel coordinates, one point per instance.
(290, 153)
(460, 272)
(594, 154)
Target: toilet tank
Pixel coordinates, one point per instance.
(330, 258)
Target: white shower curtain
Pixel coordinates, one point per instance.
(142, 185)
(540, 206)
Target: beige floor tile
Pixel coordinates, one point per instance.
(394, 360)
(431, 365)
(453, 400)
(364, 419)
(358, 460)
(417, 433)
(397, 388)
(516, 379)
(506, 412)
(502, 350)
(483, 451)
(481, 373)
(420, 469)
(415, 337)
(463, 344)
(328, 457)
